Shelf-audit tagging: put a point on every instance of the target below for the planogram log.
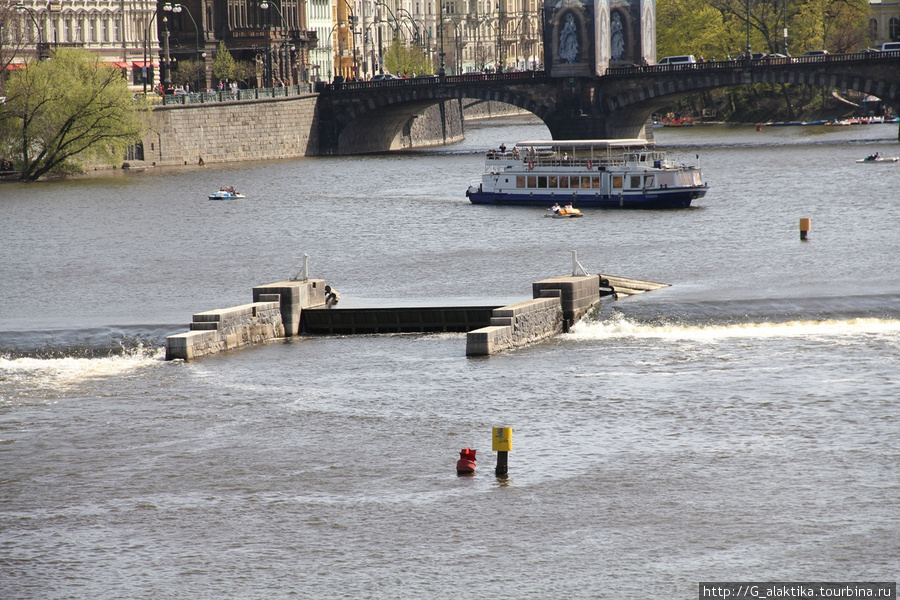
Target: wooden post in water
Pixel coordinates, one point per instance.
(502, 444)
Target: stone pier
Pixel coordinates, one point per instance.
(274, 313)
(557, 305)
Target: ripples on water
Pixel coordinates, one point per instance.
(738, 425)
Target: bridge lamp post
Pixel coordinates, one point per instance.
(353, 21)
(456, 42)
(177, 8)
(749, 57)
(784, 18)
(21, 8)
(442, 71)
(392, 22)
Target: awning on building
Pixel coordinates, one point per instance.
(139, 64)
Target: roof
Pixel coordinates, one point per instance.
(587, 144)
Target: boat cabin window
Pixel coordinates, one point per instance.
(553, 181)
(532, 181)
(564, 182)
(666, 179)
(635, 182)
(542, 181)
(521, 181)
(617, 181)
(648, 181)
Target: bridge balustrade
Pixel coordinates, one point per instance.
(765, 61)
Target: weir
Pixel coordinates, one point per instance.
(298, 307)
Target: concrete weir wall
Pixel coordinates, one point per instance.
(558, 303)
(274, 313)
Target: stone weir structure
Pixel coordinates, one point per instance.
(298, 307)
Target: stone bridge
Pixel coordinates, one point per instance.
(359, 117)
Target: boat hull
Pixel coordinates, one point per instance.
(653, 200)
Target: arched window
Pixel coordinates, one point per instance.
(894, 29)
(873, 29)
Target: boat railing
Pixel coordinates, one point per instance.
(569, 163)
(502, 160)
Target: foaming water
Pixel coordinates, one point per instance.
(619, 326)
(29, 377)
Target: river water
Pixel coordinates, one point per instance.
(739, 425)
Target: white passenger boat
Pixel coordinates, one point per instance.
(877, 158)
(626, 173)
(226, 195)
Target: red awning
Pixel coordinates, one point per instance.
(15, 66)
(139, 64)
(121, 65)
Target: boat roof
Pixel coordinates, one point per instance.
(586, 144)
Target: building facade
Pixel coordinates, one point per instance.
(884, 22)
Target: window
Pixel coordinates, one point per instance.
(542, 181)
(532, 181)
(894, 29)
(553, 181)
(563, 182)
(520, 181)
(635, 182)
(617, 181)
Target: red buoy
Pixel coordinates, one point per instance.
(466, 462)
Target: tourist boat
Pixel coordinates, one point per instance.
(874, 158)
(226, 195)
(624, 173)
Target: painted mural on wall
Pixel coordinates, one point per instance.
(568, 35)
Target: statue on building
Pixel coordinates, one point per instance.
(568, 40)
(617, 38)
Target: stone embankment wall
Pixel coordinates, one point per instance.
(274, 313)
(218, 132)
(267, 129)
(557, 305)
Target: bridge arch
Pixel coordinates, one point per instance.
(361, 119)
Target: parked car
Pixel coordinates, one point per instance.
(383, 77)
(815, 53)
(687, 59)
(890, 46)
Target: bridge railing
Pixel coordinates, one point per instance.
(229, 96)
(741, 63)
(428, 80)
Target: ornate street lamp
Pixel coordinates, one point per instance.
(177, 8)
(20, 7)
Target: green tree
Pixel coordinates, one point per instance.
(224, 66)
(68, 107)
(188, 73)
(401, 59)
